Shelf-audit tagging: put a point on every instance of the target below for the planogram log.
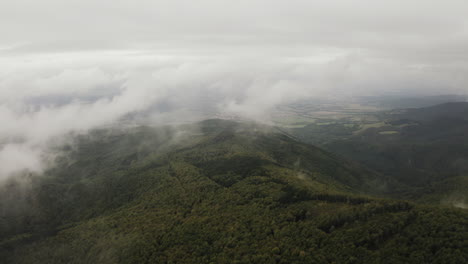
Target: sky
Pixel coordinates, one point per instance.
(71, 66)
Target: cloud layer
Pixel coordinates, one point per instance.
(68, 67)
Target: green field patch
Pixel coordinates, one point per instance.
(389, 132)
(367, 126)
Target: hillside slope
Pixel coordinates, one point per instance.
(217, 192)
(419, 148)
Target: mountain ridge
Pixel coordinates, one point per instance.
(220, 191)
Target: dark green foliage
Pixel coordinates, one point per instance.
(320, 134)
(425, 148)
(229, 194)
(227, 172)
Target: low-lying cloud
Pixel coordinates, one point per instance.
(41, 101)
(62, 72)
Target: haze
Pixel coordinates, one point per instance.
(71, 66)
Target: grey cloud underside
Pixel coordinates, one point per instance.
(71, 66)
(421, 30)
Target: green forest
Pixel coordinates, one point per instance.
(218, 192)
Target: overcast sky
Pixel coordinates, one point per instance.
(68, 66)
(362, 45)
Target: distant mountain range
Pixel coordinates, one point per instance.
(402, 102)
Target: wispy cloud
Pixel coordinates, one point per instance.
(71, 67)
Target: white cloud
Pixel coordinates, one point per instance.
(17, 157)
(73, 66)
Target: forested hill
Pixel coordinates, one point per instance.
(452, 110)
(424, 149)
(216, 192)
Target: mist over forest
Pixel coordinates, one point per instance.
(304, 120)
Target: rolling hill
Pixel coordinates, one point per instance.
(421, 148)
(216, 192)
